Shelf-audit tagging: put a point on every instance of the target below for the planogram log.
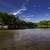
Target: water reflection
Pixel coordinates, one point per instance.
(29, 39)
(7, 41)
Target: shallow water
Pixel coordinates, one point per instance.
(27, 39)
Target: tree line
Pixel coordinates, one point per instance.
(15, 23)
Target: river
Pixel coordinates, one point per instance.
(26, 39)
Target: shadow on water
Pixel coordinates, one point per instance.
(7, 41)
(29, 39)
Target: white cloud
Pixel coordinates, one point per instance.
(31, 20)
(48, 7)
(46, 15)
(30, 16)
(28, 19)
(19, 11)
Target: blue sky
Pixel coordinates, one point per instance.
(28, 10)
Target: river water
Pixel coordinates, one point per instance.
(26, 39)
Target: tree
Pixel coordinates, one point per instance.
(7, 19)
(43, 24)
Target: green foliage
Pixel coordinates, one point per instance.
(6, 19)
(44, 24)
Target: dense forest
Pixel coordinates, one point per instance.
(14, 22)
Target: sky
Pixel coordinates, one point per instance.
(28, 10)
